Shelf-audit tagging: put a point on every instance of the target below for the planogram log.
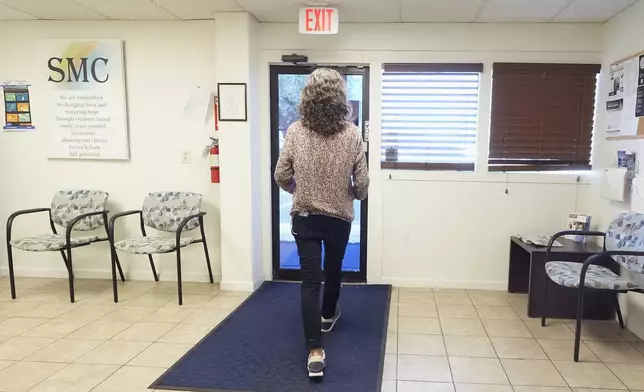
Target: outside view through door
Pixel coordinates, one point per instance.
(289, 89)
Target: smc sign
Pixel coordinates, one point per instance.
(80, 74)
(319, 20)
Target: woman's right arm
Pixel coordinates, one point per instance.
(360, 173)
(284, 172)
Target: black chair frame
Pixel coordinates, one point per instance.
(180, 228)
(65, 252)
(594, 259)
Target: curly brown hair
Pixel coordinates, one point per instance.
(324, 108)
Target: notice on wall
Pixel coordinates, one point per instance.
(622, 98)
(17, 111)
(87, 112)
(639, 100)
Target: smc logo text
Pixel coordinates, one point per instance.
(82, 73)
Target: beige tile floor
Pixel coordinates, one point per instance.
(50, 345)
(438, 341)
(482, 341)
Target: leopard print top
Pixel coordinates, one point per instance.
(325, 174)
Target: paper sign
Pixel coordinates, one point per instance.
(319, 20)
(621, 103)
(198, 104)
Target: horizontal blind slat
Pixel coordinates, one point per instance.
(429, 119)
(542, 112)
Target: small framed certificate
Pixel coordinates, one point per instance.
(232, 101)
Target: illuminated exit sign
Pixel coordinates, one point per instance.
(319, 20)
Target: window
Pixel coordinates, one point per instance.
(429, 116)
(542, 116)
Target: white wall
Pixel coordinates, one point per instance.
(164, 62)
(618, 43)
(425, 229)
(442, 229)
(241, 245)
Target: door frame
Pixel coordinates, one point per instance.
(304, 69)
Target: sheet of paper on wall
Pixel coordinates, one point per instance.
(621, 102)
(639, 104)
(198, 104)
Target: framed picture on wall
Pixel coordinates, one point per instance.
(232, 101)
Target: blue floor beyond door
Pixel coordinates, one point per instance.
(290, 259)
(260, 346)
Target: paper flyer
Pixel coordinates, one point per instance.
(639, 100)
(621, 103)
(16, 106)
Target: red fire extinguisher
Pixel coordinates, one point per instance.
(214, 163)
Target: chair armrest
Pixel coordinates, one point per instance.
(110, 226)
(23, 212)
(607, 253)
(185, 222)
(570, 232)
(122, 214)
(73, 222)
(575, 232)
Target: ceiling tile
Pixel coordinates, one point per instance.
(521, 10)
(592, 10)
(128, 9)
(53, 9)
(273, 10)
(369, 11)
(199, 9)
(8, 13)
(440, 10)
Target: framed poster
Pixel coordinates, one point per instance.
(232, 101)
(17, 107)
(87, 107)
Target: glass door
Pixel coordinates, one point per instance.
(286, 84)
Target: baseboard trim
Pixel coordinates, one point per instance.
(146, 275)
(258, 282)
(445, 284)
(137, 275)
(237, 285)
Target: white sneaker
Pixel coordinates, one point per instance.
(316, 364)
(328, 324)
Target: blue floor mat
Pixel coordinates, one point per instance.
(260, 346)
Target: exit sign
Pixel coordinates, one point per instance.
(319, 20)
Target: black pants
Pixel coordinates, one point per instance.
(310, 233)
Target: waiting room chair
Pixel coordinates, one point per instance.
(173, 212)
(73, 210)
(623, 244)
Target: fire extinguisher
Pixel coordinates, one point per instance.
(214, 162)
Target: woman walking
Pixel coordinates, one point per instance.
(323, 165)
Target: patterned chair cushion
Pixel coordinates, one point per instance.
(50, 242)
(165, 210)
(626, 233)
(150, 245)
(68, 204)
(597, 277)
